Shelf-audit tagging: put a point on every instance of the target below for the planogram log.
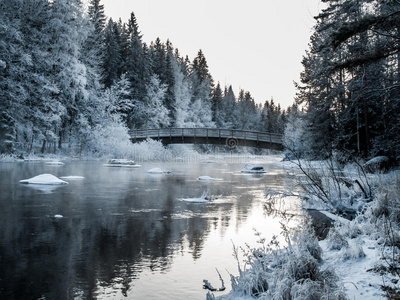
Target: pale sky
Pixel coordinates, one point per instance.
(255, 45)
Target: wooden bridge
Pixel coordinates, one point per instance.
(228, 137)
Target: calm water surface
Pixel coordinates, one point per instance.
(127, 234)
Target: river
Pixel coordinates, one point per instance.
(127, 234)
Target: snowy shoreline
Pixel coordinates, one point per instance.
(356, 259)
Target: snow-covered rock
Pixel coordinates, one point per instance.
(378, 163)
(253, 168)
(72, 177)
(45, 179)
(158, 171)
(207, 178)
(204, 198)
(54, 163)
(121, 162)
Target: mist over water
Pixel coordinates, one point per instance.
(127, 234)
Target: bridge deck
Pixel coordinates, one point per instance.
(229, 137)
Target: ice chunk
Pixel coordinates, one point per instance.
(158, 171)
(72, 177)
(121, 162)
(204, 198)
(54, 163)
(207, 178)
(45, 179)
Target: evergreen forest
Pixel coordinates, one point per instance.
(350, 87)
(70, 78)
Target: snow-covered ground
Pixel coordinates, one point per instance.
(359, 259)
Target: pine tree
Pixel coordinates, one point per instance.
(229, 107)
(112, 54)
(202, 84)
(137, 61)
(152, 111)
(67, 33)
(216, 107)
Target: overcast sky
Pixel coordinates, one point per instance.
(255, 45)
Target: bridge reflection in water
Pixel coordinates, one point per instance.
(229, 137)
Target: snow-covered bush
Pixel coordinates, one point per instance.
(353, 251)
(293, 272)
(387, 197)
(336, 241)
(111, 140)
(294, 136)
(330, 186)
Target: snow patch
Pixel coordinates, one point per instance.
(204, 198)
(45, 179)
(54, 163)
(72, 177)
(158, 171)
(207, 178)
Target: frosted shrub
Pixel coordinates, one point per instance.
(353, 251)
(335, 240)
(111, 140)
(290, 273)
(387, 197)
(328, 185)
(309, 242)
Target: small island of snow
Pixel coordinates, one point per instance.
(253, 168)
(45, 179)
(72, 177)
(207, 178)
(204, 198)
(54, 163)
(158, 171)
(121, 163)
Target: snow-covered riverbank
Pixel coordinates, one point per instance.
(359, 259)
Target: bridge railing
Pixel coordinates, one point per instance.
(207, 132)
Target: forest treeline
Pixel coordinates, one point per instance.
(350, 90)
(70, 76)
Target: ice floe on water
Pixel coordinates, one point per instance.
(54, 163)
(125, 163)
(72, 177)
(204, 198)
(44, 179)
(207, 178)
(158, 171)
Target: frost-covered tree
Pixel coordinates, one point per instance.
(138, 66)
(295, 139)
(217, 107)
(151, 112)
(229, 107)
(202, 84)
(67, 32)
(112, 61)
(350, 80)
(182, 96)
